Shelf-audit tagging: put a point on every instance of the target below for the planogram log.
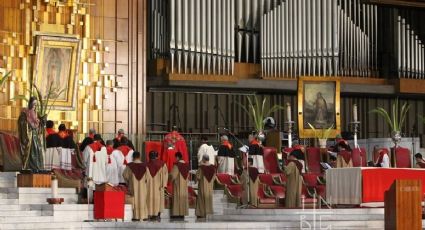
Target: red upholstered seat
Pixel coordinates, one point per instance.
(226, 179)
(376, 154)
(402, 158)
(278, 191)
(266, 179)
(359, 157)
(264, 199)
(233, 192)
(310, 179)
(313, 160)
(271, 163)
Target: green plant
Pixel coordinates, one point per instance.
(258, 111)
(322, 133)
(397, 118)
(5, 77)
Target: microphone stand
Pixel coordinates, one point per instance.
(248, 184)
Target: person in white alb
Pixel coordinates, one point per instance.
(383, 159)
(206, 149)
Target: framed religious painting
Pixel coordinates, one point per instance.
(318, 105)
(56, 69)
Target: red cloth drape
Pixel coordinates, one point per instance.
(377, 181)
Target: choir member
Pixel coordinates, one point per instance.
(205, 176)
(118, 142)
(69, 148)
(383, 159)
(53, 146)
(157, 185)
(226, 157)
(112, 171)
(50, 128)
(206, 149)
(179, 179)
(420, 162)
(137, 179)
(299, 156)
(88, 140)
(294, 182)
(256, 153)
(343, 151)
(250, 184)
(123, 155)
(96, 158)
(173, 142)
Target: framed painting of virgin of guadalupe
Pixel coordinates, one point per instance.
(318, 105)
(56, 69)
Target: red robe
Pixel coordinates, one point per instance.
(173, 142)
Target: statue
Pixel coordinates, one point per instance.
(321, 110)
(30, 128)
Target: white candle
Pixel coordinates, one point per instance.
(288, 111)
(54, 188)
(355, 112)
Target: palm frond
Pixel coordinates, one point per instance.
(5, 77)
(382, 112)
(398, 117)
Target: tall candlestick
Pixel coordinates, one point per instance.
(54, 188)
(288, 111)
(355, 113)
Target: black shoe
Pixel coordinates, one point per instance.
(135, 220)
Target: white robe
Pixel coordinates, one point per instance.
(112, 175)
(385, 161)
(51, 158)
(66, 158)
(96, 170)
(258, 162)
(119, 158)
(206, 149)
(226, 165)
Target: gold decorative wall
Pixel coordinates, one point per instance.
(103, 72)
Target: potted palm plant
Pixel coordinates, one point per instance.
(258, 111)
(396, 120)
(322, 135)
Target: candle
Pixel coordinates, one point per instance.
(54, 188)
(355, 113)
(288, 111)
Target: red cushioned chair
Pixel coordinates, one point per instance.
(190, 192)
(266, 179)
(233, 193)
(265, 200)
(279, 179)
(376, 154)
(313, 160)
(402, 158)
(271, 163)
(224, 179)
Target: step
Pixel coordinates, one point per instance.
(282, 211)
(22, 213)
(13, 207)
(299, 217)
(9, 201)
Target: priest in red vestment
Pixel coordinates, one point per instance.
(173, 143)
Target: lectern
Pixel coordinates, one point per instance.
(403, 205)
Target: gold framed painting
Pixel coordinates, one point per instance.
(57, 66)
(318, 104)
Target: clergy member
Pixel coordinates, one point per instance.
(420, 162)
(205, 176)
(88, 140)
(95, 158)
(157, 185)
(179, 179)
(206, 149)
(50, 128)
(383, 159)
(112, 171)
(250, 183)
(343, 150)
(173, 142)
(137, 179)
(123, 155)
(53, 148)
(226, 157)
(69, 148)
(118, 142)
(256, 153)
(293, 182)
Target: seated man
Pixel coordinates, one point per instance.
(179, 179)
(250, 183)
(137, 179)
(420, 162)
(117, 140)
(294, 182)
(206, 177)
(344, 159)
